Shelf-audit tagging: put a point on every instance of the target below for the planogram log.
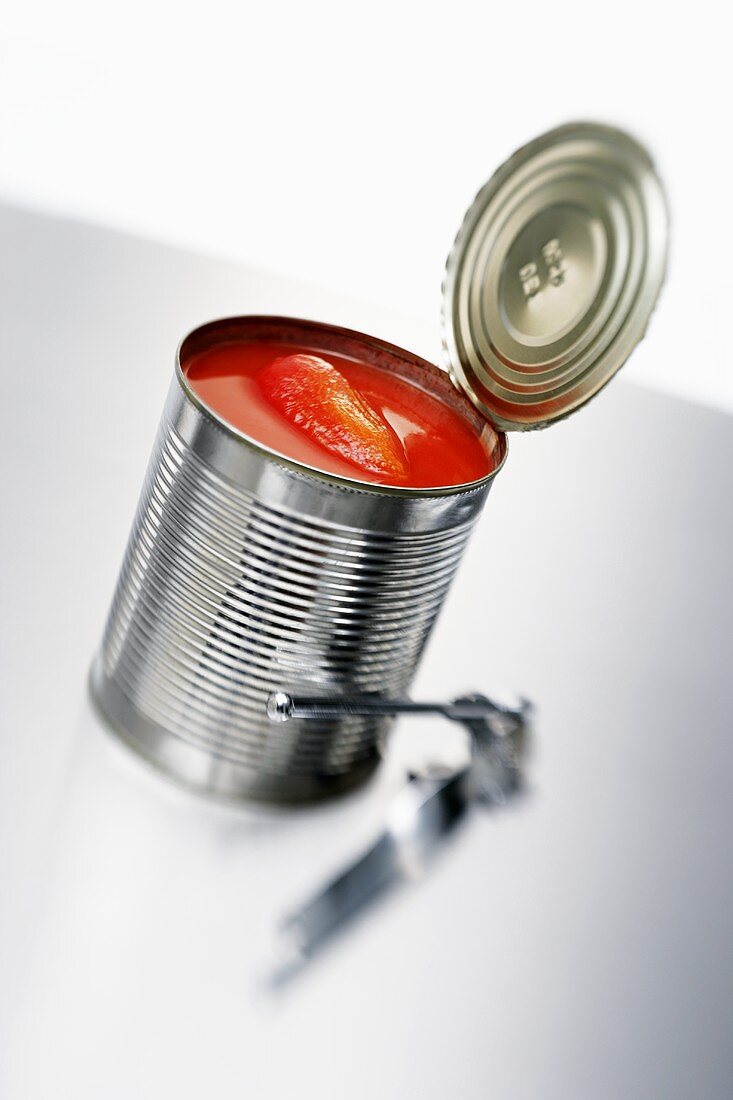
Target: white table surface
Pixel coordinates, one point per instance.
(576, 945)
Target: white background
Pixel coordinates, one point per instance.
(341, 144)
(589, 956)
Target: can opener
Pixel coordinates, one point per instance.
(421, 817)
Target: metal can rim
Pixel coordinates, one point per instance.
(393, 351)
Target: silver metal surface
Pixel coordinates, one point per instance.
(554, 274)
(246, 573)
(282, 707)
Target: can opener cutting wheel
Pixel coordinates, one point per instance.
(420, 818)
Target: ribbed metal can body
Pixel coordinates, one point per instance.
(245, 574)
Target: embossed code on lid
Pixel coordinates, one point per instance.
(554, 274)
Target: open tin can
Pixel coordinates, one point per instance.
(247, 572)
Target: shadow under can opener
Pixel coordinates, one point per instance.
(420, 818)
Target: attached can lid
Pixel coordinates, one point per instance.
(554, 274)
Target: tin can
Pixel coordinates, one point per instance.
(248, 573)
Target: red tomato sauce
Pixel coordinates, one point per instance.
(408, 437)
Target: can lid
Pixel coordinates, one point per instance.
(554, 274)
